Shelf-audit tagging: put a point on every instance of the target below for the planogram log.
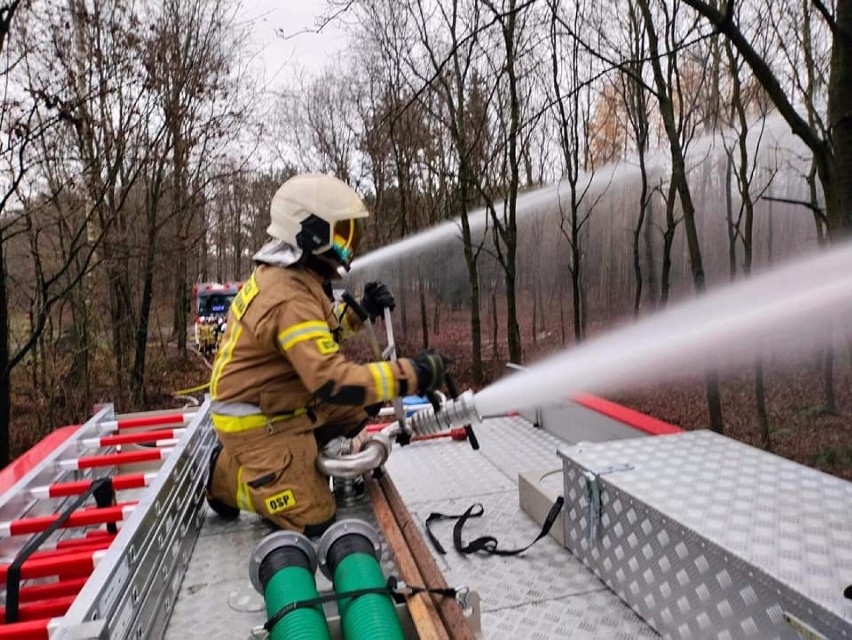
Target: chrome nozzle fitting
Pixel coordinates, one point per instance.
(453, 414)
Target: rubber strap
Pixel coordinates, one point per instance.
(392, 588)
(102, 489)
(486, 544)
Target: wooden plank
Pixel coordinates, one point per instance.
(424, 613)
(450, 610)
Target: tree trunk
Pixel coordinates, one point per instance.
(828, 382)
(534, 314)
(836, 174)
(5, 381)
(650, 266)
(181, 297)
(470, 260)
(729, 217)
(666, 103)
(494, 352)
(637, 234)
(436, 317)
(668, 241)
(137, 378)
(424, 318)
(760, 397)
(514, 333)
(562, 335)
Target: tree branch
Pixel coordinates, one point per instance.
(765, 76)
(817, 211)
(828, 17)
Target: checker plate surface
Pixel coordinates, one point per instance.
(544, 593)
(706, 536)
(218, 572)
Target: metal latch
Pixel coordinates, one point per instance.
(593, 495)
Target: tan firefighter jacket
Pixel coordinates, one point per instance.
(281, 352)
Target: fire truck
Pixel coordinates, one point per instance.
(211, 302)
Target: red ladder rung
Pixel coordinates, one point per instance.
(75, 565)
(149, 421)
(30, 630)
(81, 518)
(56, 589)
(76, 487)
(76, 543)
(52, 608)
(110, 459)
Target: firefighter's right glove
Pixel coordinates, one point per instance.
(377, 298)
(430, 367)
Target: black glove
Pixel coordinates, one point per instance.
(377, 298)
(430, 367)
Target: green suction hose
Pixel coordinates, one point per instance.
(282, 568)
(348, 555)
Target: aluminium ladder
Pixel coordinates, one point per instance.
(95, 537)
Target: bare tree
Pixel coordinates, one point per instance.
(634, 94)
(666, 99)
(196, 44)
(831, 146)
(575, 138)
(505, 223)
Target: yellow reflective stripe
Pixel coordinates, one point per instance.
(303, 331)
(243, 497)
(238, 424)
(386, 368)
(224, 357)
(383, 379)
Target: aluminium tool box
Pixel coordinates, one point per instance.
(706, 537)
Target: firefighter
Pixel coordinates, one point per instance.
(204, 336)
(280, 387)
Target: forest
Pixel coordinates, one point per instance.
(586, 163)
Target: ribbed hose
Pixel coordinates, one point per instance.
(290, 585)
(371, 616)
(282, 568)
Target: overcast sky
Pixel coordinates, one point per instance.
(277, 59)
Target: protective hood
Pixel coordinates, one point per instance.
(278, 254)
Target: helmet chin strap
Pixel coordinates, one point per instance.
(321, 266)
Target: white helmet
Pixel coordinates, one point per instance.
(318, 214)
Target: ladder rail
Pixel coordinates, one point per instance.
(142, 570)
(18, 502)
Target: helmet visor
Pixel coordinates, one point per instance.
(345, 239)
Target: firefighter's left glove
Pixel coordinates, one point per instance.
(430, 367)
(377, 298)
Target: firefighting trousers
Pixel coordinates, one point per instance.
(272, 471)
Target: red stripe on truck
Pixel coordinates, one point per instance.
(629, 417)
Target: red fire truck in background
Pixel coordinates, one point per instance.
(212, 301)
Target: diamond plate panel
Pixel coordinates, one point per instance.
(514, 446)
(597, 615)
(707, 535)
(545, 571)
(439, 469)
(219, 568)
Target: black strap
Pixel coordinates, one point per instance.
(104, 495)
(398, 591)
(487, 544)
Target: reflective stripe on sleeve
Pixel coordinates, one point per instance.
(303, 331)
(384, 380)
